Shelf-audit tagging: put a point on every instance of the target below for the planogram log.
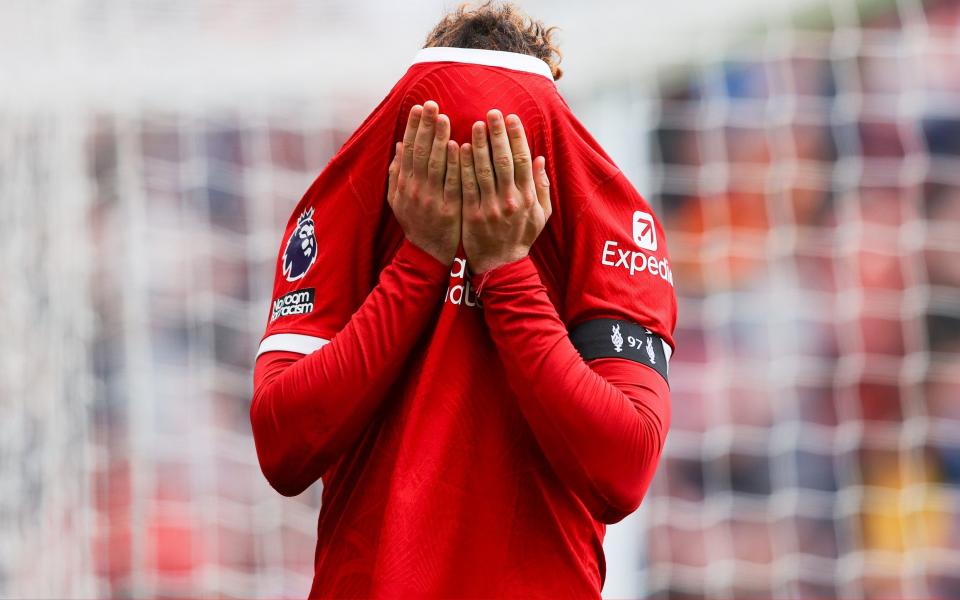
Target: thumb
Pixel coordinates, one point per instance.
(542, 184)
(393, 174)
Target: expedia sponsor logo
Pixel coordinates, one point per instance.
(644, 232)
(299, 302)
(619, 255)
(635, 262)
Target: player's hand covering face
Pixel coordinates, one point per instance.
(424, 184)
(506, 193)
(502, 193)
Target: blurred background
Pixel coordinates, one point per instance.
(804, 156)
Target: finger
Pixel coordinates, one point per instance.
(482, 167)
(424, 139)
(542, 184)
(413, 122)
(468, 180)
(500, 145)
(522, 168)
(437, 165)
(393, 173)
(452, 191)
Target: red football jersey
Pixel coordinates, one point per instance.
(447, 492)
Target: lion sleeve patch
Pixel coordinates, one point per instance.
(301, 249)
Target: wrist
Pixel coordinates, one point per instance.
(411, 255)
(442, 255)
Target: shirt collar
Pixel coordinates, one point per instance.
(490, 58)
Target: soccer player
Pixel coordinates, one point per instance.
(469, 334)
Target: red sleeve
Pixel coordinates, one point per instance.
(308, 409)
(325, 269)
(602, 426)
(618, 266)
(336, 239)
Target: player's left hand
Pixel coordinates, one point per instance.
(506, 193)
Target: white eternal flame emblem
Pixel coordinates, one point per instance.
(616, 338)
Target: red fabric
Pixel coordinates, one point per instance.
(601, 426)
(444, 473)
(307, 410)
(593, 204)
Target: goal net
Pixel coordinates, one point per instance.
(807, 170)
(808, 178)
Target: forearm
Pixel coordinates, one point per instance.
(306, 411)
(601, 425)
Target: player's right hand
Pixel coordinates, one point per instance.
(506, 194)
(424, 184)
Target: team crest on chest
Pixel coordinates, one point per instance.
(301, 250)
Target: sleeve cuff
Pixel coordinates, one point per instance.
(504, 275)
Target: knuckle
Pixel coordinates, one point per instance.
(484, 173)
(503, 161)
(408, 146)
(435, 165)
(521, 160)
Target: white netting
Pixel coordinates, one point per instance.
(143, 249)
(809, 182)
(809, 179)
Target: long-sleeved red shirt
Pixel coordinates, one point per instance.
(466, 447)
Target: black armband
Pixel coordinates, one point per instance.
(613, 338)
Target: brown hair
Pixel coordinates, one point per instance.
(497, 26)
